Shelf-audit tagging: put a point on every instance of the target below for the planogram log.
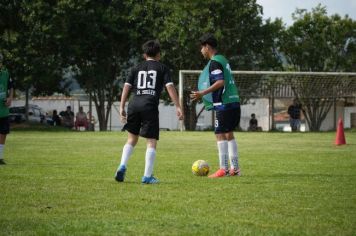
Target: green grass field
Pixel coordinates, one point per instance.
(61, 183)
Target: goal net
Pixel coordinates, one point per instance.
(269, 93)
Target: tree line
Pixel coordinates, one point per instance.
(96, 42)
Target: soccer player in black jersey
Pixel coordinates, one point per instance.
(146, 82)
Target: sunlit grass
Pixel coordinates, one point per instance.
(61, 183)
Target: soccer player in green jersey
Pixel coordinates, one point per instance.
(6, 95)
(219, 93)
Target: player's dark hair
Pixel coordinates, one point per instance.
(151, 48)
(209, 39)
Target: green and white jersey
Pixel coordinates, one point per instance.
(5, 85)
(226, 97)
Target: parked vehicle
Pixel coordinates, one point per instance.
(18, 114)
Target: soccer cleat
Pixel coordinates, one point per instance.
(2, 162)
(234, 172)
(219, 173)
(149, 180)
(120, 174)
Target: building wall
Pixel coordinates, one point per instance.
(261, 109)
(348, 112)
(169, 120)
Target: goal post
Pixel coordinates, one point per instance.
(316, 90)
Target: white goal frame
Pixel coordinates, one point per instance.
(332, 75)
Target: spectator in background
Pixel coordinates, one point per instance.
(91, 121)
(253, 123)
(294, 115)
(68, 117)
(81, 119)
(55, 120)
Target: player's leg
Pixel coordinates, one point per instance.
(233, 156)
(133, 126)
(234, 116)
(225, 123)
(128, 148)
(221, 145)
(4, 130)
(2, 145)
(150, 130)
(150, 158)
(125, 156)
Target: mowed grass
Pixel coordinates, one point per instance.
(61, 183)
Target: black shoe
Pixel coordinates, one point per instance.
(2, 162)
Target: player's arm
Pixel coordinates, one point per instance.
(217, 81)
(173, 94)
(124, 96)
(196, 95)
(289, 110)
(11, 93)
(301, 107)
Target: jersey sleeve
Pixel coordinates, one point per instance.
(167, 78)
(131, 78)
(216, 71)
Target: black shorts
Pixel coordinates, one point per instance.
(4, 125)
(226, 121)
(144, 123)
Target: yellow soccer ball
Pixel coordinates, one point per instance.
(200, 168)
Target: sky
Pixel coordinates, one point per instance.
(284, 8)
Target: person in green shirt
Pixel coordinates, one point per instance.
(218, 91)
(6, 95)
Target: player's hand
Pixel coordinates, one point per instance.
(180, 113)
(123, 116)
(8, 102)
(196, 95)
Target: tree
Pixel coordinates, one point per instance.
(318, 42)
(29, 43)
(97, 35)
(238, 26)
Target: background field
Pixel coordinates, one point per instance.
(61, 183)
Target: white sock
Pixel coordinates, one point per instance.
(223, 154)
(2, 146)
(126, 154)
(233, 154)
(150, 160)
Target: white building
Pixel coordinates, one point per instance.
(169, 120)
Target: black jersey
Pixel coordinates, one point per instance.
(147, 81)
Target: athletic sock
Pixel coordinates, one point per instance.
(150, 159)
(126, 154)
(2, 146)
(233, 154)
(223, 154)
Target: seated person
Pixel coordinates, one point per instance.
(81, 119)
(253, 123)
(67, 117)
(55, 120)
(91, 121)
